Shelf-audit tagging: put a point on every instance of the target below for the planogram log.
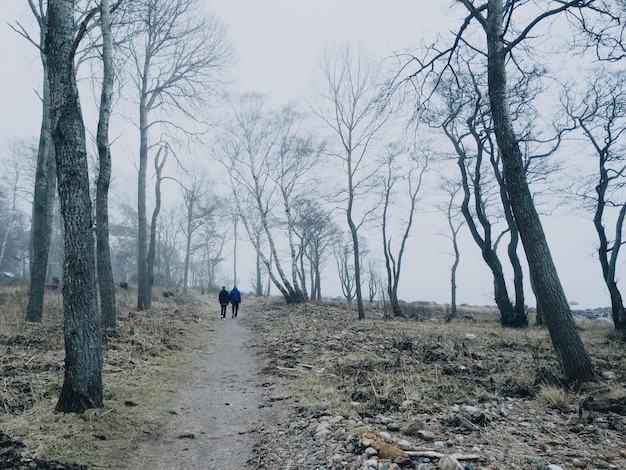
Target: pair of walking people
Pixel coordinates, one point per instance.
(233, 297)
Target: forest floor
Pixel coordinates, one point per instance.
(310, 387)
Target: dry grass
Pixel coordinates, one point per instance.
(431, 369)
(329, 363)
(142, 361)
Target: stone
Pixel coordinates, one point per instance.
(404, 462)
(554, 467)
(370, 452)
(370, 463)
(393, 427)
(471, 410)
(425, 435)
(447, 462)
(414, 427)
(388, 451)
(404, 444)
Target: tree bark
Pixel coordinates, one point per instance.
(568, 345)
(82, 383)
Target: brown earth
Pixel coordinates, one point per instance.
(187, 390)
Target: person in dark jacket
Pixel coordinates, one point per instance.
(235, 300)
(224, 298)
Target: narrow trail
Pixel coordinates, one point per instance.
(217, 410)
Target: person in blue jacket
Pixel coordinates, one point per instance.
(224, 299)
(235, 300)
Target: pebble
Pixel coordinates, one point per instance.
(425, 435)
(413, 428)
(351, 442)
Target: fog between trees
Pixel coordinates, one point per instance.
(482, 123)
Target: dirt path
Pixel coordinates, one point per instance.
(217, 410)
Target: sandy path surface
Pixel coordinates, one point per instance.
(217, 411)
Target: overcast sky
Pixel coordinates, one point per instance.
(277, 43)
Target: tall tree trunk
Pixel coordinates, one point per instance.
(453, 270)
(235, 280)
(43, 200)
(190, 209)
(488, 252)
(608, 262)
(105, 271)
(519, 317)
(158, 168)
(82, 382)
(144, 294)
(259, 277)
(355, 244)
(568, 345)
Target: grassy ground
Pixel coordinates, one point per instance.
(429, 369)
(142, 361)
(328, 362)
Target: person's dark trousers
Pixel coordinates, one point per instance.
(235, 309)
(224, 310)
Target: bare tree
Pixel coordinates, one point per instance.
(411, 169)
(82, 383)
(345, 269)
(200, 207)
(316, 231)
(506, 28)
(467, 126)
(292, 164)
(452, 213)
(169, 243)
(374, 281)
(603, 32)
(214, 236)
(176, 54)
(501, 41)
(601, 115)
(352, 105)
(251, 150)
(14, 182)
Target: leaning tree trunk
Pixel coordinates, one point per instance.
(567, 343)
(43, 202)
(82, 383)
(105, 271)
